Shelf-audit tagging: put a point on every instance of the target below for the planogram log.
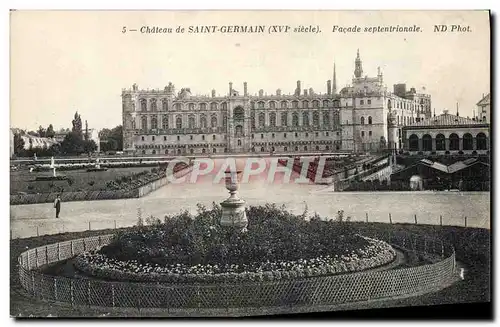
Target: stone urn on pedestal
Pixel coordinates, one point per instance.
(233, 208)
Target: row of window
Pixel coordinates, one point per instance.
(453, 139)
(203, 121)
(154, 104)
(369, 120)
(363, 133)
(261, 149)
(239, 133)
(404, 105)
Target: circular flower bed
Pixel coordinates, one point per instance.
(277, 245)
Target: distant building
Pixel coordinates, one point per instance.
(447, 134)
(483, 109)
(93, 135)
(35, 142)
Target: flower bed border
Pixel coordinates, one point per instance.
(383, 258)
(334, 290)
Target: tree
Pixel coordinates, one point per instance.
(18, 144)
(77, 125)
(111, 140)
(50, 131)
(89, 146)
(41, 131)
(72, 144)
(117, 136)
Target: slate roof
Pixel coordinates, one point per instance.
(446, 120)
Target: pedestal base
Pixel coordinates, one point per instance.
(234, 215)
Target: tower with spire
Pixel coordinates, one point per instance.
(358, 70)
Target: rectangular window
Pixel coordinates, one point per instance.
(190, 137)
(316, 134)
(370, 133)
(261, 136)
(369, 101)
(361, 102)
(142, 138)
(284, 135)
(272, 135)
(178, 138)
(327, 134)
(152, 138)
(164, 138)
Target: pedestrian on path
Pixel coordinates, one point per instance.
(57, 205)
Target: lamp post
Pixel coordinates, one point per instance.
(233, 208)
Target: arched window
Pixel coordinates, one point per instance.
(213, 137)
(336, 118)
(191, 151)
(261, 104)
(305, 119)
(144, 123)
(317, 147)
(178, 122)
(305, 148)
(262, 149)
(153, 152)
(467, 142)
(326, 103)
(481, 141)
(164, 104)
(239, 142)
(203, 150)
(224, 105)
(239, 113)
(315, 104)
(213, 106)
(295, 104)
(214, 150)
(133, 123)
(369, 120)
(239, 131)
(305, 104)
(166, 151)
(283, 104)
(213, 121)
(191, 106)
(426, 142)
(440, 142)
(272, 105)
(296, 148)
(262, 119)
(295, 119)
(272, 119)
(326, 119)
(178, 106)
(285, 149)
(413, 142)
(203, 137)
(144, 105)
(362, 120)
(389, 105)
(454, 142)
(152, 104)
(178, 151)
(203, 106)
(191, 122)
(154, 123)
(315, 119)
(143, 151)
(203, 121)
(284, 119)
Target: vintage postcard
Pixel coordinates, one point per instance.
(249, 163)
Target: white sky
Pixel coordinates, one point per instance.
(67, 61)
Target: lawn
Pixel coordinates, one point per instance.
(24, 181)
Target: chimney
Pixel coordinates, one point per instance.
(305, 92)
(230, 88)
(329, 87)
(245, 91)
(213, 93)
(297, 90)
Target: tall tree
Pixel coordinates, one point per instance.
(77, 125)
(86, 131)
(72, 144)
(50, 131)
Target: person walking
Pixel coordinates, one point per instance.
(57, 205)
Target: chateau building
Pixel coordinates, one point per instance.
(361, 117)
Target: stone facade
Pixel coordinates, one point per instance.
(356, 119)
(447, 134)
(483, 109)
